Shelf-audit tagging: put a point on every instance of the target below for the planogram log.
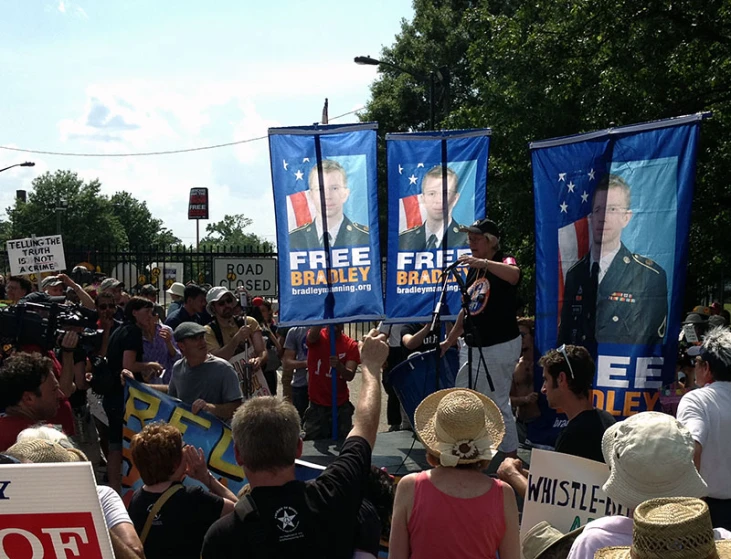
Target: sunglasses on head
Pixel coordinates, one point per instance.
(562, 350)
(105, 306)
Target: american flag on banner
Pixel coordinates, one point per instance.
(575, 191)
(299, 212)
(411, 212)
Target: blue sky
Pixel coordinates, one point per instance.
(97, 76)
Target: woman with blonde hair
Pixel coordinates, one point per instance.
(454, 510)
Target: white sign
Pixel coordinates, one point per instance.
(253, 383)
(257, 275)
(36, 255)
(51, 510)
(567, 490)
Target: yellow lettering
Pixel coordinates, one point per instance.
(364, 272)
(179, 414)
(135, 395)
(296, 278)
(610, 404)
(218, 463)
(651, 399)
(598, 399)
(631, 403)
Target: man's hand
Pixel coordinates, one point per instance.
(531, 398)
(255, 363)
(243, 334)
(166, 335)
(444, 346)
(126, 374)
(373, 350)
(67, 281)
(195, 464)
(199, 405)
(511, 467)
(70, 340)
(335, 363)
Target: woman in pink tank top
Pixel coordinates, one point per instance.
(454, 510)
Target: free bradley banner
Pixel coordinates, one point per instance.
(326, 207)
(612, 218)
(437, 185)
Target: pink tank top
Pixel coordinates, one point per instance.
(444, 526)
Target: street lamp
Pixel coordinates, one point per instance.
(25, 164)
(424, 78)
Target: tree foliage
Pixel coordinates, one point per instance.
(542, 69)
(88, 218)
(230, 232)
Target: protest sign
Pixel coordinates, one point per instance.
(36, 255)
(567, 490)
(198, 203)
(51, 510)
(143, 405)
(252, 382)
(257, 275)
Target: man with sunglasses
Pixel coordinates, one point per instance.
(568, 374)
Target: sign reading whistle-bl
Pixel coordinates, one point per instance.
(257, 275)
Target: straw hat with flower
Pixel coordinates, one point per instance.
(671, 528)
(459, 426)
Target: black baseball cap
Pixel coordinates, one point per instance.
(148, 289)
(482, 227)
(188, 330)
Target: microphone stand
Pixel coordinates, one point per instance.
(436, 326)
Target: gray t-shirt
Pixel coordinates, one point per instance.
(214, 380)
(296, 340)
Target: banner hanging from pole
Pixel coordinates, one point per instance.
(437, 184)
(612, 218)
(326, 207)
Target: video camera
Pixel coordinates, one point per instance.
(43, 323)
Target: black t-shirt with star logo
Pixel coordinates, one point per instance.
(318, 518)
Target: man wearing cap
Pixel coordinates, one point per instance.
(149, 292)
(612, 295)
(706, 413)
(194, 303)
(204, 381)
(341, 230)
(115, 287)
(53, 286)
(176, 292)
(225, 338)
(431, 234)
(650, 456)
(491, 334)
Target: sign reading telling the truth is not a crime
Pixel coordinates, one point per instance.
(35, 255)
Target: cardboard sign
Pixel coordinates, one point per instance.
(257, 275)
(253, 383)
(567, 490)
(51, 510)
(35, 255)
(198, 203)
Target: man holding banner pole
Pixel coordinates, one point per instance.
(492, 348)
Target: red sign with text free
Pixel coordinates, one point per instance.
(49, 536)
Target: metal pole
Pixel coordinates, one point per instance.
(197, 233)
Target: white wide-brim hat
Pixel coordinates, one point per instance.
(459, 426)
(650, 455)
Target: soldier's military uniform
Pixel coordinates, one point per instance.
(629, 307)
(415, 238)
(349, 234)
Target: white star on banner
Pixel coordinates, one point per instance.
(585, 197)
(306, 160)
(591, 175)
(400, 170)
(571, 186)
(298, 175)
(419, 165)
(564, 207)
(562, 177)
(412, 179)
(285, 164)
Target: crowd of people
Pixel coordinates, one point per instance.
(667, 471)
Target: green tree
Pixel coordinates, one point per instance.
(141, 228)
(535, 70)
(230, 232)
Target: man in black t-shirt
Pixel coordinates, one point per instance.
(418, 337)
(491, 334)
(568, 374)
(283, 517)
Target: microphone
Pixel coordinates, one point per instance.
(453, 266)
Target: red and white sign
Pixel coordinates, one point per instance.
(198, 203)
(50, 511)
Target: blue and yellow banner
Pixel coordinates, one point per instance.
(437, 185)
(326, 207)
(612, 219)
(144, 404)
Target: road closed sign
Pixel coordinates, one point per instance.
(257, 275)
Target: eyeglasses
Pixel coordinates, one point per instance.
(225, 301)
(562, 350)
(105, 306)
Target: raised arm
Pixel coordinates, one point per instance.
(373, 354)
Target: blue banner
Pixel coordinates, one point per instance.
(144, 404)
(437, 185)
(326, 207)
(612, 219)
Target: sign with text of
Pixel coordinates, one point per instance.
(36, 255)
(198, 203)
(568, 490)
(257, 275)
(51, 510)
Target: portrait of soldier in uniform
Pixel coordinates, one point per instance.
(432, 233)
(613, 295)
(341, 230)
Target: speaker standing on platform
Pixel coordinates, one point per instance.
(491, 331)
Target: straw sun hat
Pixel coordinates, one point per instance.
(543, 537)
(459, 426)
(671, 528)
